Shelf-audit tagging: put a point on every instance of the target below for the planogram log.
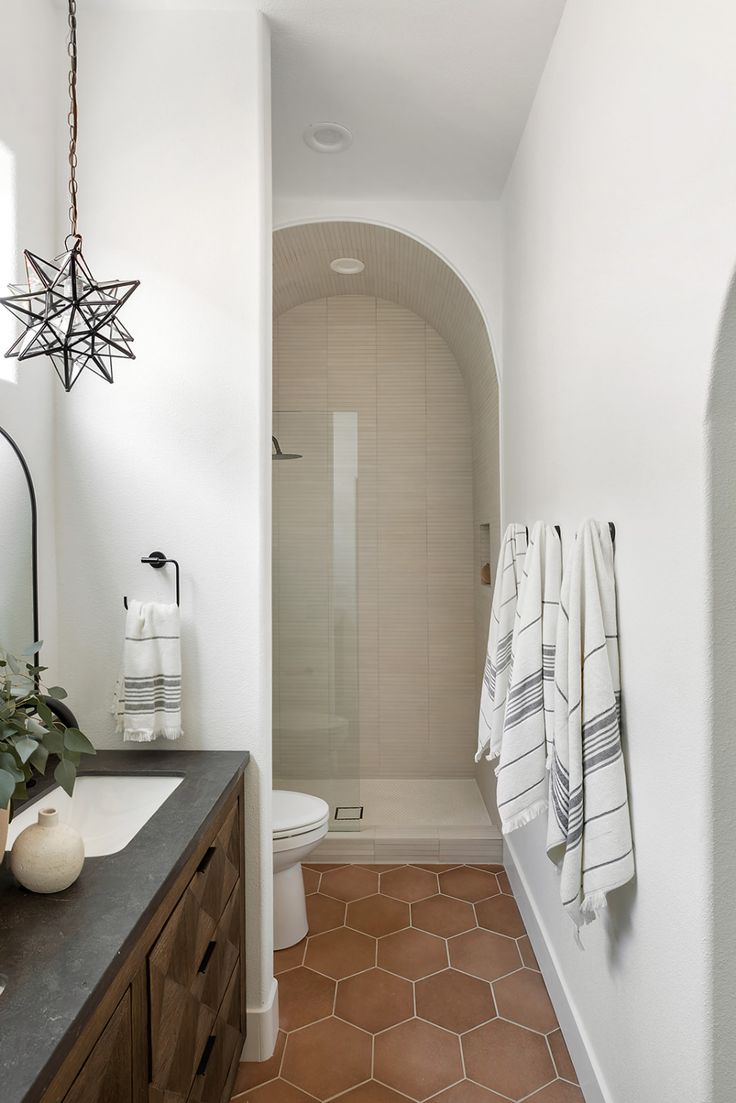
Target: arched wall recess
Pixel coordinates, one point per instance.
(405, 271)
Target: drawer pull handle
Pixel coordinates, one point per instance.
(206, 957)
(206, 1054)
(206, 859)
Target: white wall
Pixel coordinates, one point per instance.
(27, 221)
(621, 216)
(174, 190)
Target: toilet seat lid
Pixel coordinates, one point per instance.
(295, 813)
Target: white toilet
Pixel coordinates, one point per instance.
(300, 821)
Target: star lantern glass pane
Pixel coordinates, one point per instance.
(69, 316)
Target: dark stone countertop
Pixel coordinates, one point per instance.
(60, 952)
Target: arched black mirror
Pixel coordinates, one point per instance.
(18, 550)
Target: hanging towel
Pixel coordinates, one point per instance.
(589, 830)
(528, 727)
(500, 634)
(148, 695)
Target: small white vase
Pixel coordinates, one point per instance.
(4, 822)
(48, 856)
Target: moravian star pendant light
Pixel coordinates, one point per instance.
(68, 315)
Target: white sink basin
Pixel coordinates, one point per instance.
(107, 811)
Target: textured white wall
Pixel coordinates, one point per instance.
(27, 221)
(621, 211)
(174, 190)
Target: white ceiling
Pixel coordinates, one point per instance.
(436, 93)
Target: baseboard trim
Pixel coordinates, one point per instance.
(263, 1028)
(591, 1082)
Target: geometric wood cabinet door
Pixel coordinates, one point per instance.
(107, 1074)
(171, 1027)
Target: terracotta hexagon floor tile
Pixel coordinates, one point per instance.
(527, 954)
(455, 1001)
(378, 915)
(443, 915)
(252, 1073)
(340, 953)
(436, 867)
(504, 884)
(484, 954)
(523, 998)
(289, 958)
(492, 867)
(324, 913)
(349, 883)
(506, 1058)
(304, 997)
(417, 1059)
(500, 914)
(327, 1058)
(311, 880)
(558, 1092)
(374, 1000)
(408, 883)
(383, 868)
(277, 1091)
(412, 954)
(561, 1056)
(469, 883)
(372, 1092)
(468, 1092)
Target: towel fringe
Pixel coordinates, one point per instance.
(145, 735)
(525, 817)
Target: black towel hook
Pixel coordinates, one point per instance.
(157, 559)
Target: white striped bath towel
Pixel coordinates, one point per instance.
(148, 696)
(501, 630)
(589, 829)
(528, 728)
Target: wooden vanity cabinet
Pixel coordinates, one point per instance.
(171, 1027)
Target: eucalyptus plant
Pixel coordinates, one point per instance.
(32, 737)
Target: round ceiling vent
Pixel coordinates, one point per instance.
(347, 266)
(327, 137)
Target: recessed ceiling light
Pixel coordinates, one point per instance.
(327, 137)
(347, 266)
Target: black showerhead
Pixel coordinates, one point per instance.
(277, 454)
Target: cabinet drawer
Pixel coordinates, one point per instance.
(219, 958)
(221, 1049)
(219, 868)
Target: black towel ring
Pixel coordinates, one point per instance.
(157, 560)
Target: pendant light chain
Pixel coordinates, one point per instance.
(66, 313)
(72, 116)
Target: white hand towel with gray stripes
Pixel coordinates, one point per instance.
(148, 694)
(528, 728)
(500, 634)
(589, 829)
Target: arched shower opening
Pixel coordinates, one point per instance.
(385, 393)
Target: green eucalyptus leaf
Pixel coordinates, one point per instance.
(53, 741)
(39, 758)
(10, 765)
(57, 693)
(7, 788)
(25, 747)
(65, 773)
(74, 740)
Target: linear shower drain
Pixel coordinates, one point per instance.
(349, 812)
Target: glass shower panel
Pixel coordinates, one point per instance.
(315, 610)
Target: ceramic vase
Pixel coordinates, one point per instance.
(48, 856)
(4, 821)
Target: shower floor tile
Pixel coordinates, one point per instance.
(400, 802)
(413, 1011)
